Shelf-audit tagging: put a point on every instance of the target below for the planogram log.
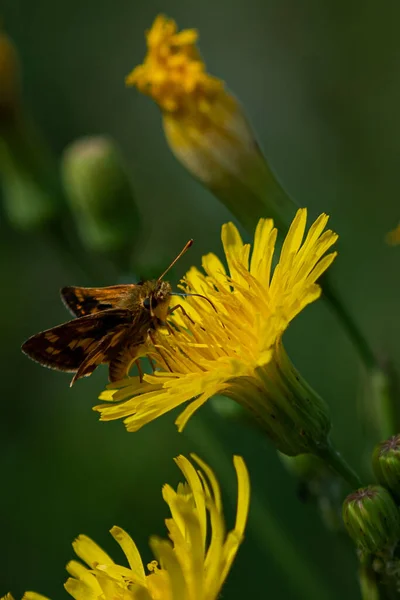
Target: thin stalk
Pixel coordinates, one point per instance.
(386, 410)
(368, 582)
(299, 572)
(336, 462)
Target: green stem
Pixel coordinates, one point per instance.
(368, 583)
(336, 461)
(386, 410)
(298, 571)
(368, 586)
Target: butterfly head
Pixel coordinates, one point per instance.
(158, 298)
(158, 292)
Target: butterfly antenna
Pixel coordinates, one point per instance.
(181, 253)
(198, 295)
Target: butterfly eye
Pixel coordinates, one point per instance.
(146, 303)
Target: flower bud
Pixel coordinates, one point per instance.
(29, 178)
(372, 519)
(206, 127)
(386, 464)
(98, 189)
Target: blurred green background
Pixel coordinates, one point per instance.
(321, 84)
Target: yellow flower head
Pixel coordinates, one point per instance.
(192, 566)
(233, 346)
(205, 126)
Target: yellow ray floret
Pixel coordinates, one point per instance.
(234, 345)
(192, 565)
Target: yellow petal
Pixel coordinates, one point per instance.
(262, 238)
(243, 501)
(80, 590)
(90, 552)
(77, 570)
(196, 488)
(216, 493)
(235, 250)
(131, 552)
(294, 237)
(214, 268)
(189, 411)
(177, 588)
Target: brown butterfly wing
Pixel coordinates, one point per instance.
(66, 346)
(103, 352)
(83, 301)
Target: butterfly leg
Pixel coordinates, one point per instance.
(169, 328)
(154, 342)
(171, 310)
(139, 368)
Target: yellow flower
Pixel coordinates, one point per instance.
(193, 567)
(234, 347)
(206, 127)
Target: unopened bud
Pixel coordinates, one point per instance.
(100, 195)
(28, 174)
(28, 177)
(386, 464)
(372, 519)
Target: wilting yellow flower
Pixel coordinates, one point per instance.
(205, 125)
(233, 347)
(193, 567)
(393, 237)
